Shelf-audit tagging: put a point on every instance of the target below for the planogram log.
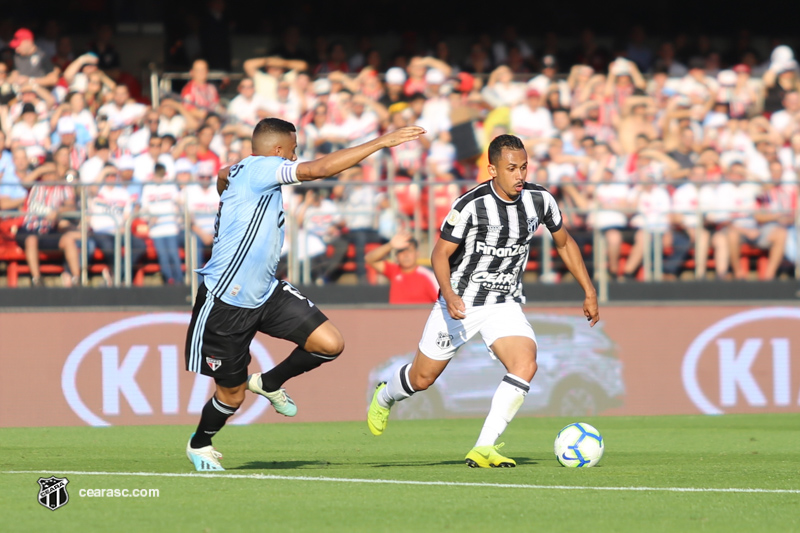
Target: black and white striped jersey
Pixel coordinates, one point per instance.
(494, 236)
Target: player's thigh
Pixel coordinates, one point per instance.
(510, 337)
(290, 315)
(218, 339)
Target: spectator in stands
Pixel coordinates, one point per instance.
(322, 223)
(266, 71)
(44, 227)
(122, 109)
(174, 119)
(31, 65)
(202, 201)
(109, 211)
(31, 133)
(358, 205)
(761, 220)
(248, 107)
(104, 49)
(144, 164)
(90, 171)
(501, 90)
(532, 123)
(785, 121)
(205, 136)
(199, 96)
(138, 142)
(409, 283)
(12, 193)
(160, 204)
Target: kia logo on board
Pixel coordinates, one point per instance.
(135, 367)
(745, 363)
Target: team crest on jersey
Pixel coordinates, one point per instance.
(214, 364)
(53, 492)
(444, 340)
(533, 223)
(453, 217)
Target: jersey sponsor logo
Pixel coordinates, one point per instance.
(453, 217)
(53, 492)
(501, 282)
(235, 290)
(213, 364)
(745, 363)
(533, 223)
(103, 378)
(444, 340)
(491, 228)
(501, 251)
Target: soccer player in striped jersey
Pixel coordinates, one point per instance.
(240, 296)
(478, 262)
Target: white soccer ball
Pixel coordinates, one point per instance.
(579, 445)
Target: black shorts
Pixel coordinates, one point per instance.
(219, 336)
(47, 241)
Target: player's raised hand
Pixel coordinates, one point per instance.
(591, 310)
(403, 135)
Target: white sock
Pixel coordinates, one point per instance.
(397, 388)
(506, 402)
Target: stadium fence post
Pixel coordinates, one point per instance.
(84, 236)
(647, 258)
(154, 93)
(128, 240)
(117, 253)
(418, 207)
(431, 211)
(658, 256)
(697, 229)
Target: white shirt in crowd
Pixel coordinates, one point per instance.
(688, 197)
(612, 200)
(203, 204)
(90, 170)
(529, 124)
(160, 205)
(653, 207)
(245, 111)
(109, 209)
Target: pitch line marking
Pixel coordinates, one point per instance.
(405, 482)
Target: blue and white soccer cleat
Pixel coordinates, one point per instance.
(281, 401)
(205, 459)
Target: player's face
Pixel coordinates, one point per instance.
(287, 147)
(510, 173)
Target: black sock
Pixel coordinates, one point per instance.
(215, 414)
(298, 362)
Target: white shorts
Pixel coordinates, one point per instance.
(444, 335)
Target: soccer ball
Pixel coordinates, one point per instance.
(579, 445)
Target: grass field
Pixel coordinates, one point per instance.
(338, 477)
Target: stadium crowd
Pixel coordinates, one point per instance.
(694, 149)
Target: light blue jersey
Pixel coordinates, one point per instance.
(249, 232)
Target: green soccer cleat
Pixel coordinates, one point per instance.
(377, 416)
(281, 401)
(205, 459)
(487, 457)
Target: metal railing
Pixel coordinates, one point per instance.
(299, 270)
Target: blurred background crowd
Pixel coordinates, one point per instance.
(691, 143)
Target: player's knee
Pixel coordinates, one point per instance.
(525, 369)
(331, 346)
(233, 397)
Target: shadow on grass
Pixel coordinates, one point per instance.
(519, 460)
(282, 465)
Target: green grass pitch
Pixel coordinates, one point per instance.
(272, 482)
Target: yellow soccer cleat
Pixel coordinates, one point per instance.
(487, 457)
(377, 416)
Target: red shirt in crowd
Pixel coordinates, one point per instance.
(203, 96)
(416, 287)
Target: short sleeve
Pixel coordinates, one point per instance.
(552, 214)
(268, 173)
(457, 223)
(390, 269)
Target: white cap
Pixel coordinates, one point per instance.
(125, 163)
(783, 66)
(65, 126)
(322, 86)
(726, 77)
(781, 54)
(395, 76)
(716, 120)
(184, 165)
(434, 76)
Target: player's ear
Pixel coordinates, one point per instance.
(492, 171)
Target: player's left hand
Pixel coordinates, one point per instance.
(403, 135)
(590, 309)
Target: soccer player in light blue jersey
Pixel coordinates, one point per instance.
(240, 295)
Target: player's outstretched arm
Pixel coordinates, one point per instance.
(571, 255)
(440, 259)
(222, 180)
(336, 162)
